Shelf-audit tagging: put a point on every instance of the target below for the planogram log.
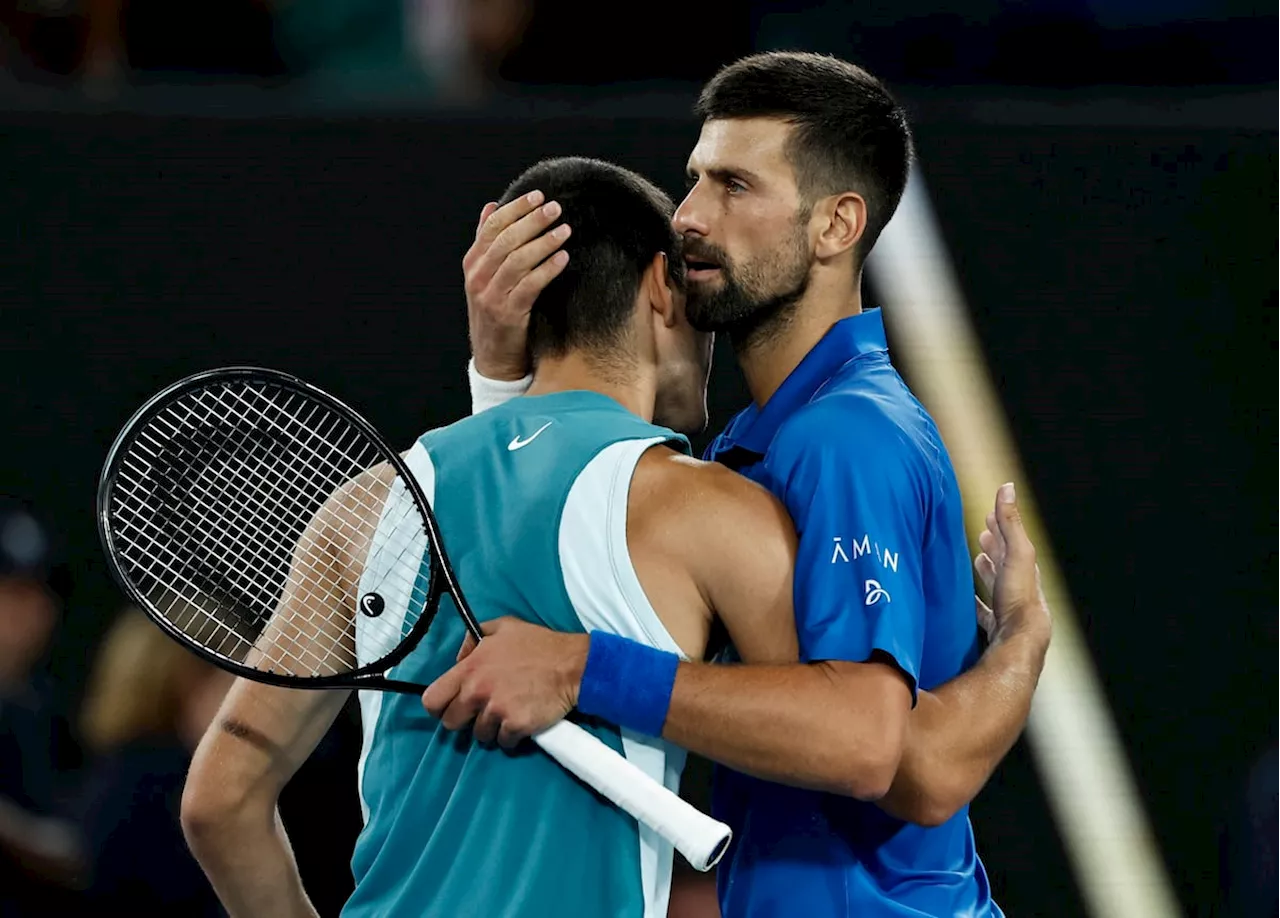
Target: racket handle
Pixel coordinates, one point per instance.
(701, 839)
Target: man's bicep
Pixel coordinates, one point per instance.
(267, 731)
(859, 588)
(751, 564)
(852, 604)
(312, 630)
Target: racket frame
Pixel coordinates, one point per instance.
(442, 577)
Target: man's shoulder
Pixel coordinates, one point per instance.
(846, 417)
(471, 424)
(676, 479)
(854, 430)
(672, 489)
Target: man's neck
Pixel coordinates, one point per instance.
(769, 357)
(630, 386)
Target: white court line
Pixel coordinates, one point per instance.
(1073, 737)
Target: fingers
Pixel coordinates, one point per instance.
(526, 229)
(1018, 545)
(469, 643)
(441, 693)
(986, 618)
(510, 735)
(461, 711)
(518, 266)
(467, 646)
(986, 569)
(486, 726)
(500, 218)
(534, 282)
(994, 528)
(485, 213)
(491, 726)
(989, 543)
(501, 235)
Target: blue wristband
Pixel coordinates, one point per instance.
(627, 683)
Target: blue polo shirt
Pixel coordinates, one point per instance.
(882, 565)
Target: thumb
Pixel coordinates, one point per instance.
(1009, 520)
(486, 629)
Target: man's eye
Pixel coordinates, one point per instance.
(733, 187)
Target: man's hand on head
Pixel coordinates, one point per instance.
(1008, 569)
(511, 261)
(521, 679)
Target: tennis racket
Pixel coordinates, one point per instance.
(268, 527)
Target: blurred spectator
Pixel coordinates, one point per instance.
(463, 44)
(371, 49)
(148, 703)
(345, 46)
(39, 852)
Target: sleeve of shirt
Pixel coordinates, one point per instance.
(858, 492)
(487, 393)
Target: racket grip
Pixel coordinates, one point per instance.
(701, 839)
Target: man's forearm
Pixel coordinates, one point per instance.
(250, 863)
(800, 724)
(960, 732)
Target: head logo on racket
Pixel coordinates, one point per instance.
(372, 605)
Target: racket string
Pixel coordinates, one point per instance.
(260, 496)
(205, 539)
(307, 595)
(290, 497)
(189, 576)
(300, 470)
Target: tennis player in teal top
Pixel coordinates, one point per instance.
(549, 509)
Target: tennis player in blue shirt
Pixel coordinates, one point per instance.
(800, 164)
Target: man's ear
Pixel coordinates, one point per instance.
(842, 219)
(656, 285)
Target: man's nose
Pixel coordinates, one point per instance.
(689, 218)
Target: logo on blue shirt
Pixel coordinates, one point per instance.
(875, 593)
(888, 559)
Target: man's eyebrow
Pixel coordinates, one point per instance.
(721, 173)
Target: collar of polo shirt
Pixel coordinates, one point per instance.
(857, 336)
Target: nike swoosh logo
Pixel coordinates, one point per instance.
(517, 443)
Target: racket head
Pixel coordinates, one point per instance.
(222, 506)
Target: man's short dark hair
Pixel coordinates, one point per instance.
(620, 221)
(849, 132)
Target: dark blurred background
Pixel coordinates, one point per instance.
(293, 184)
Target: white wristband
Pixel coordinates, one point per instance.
(487, 393)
